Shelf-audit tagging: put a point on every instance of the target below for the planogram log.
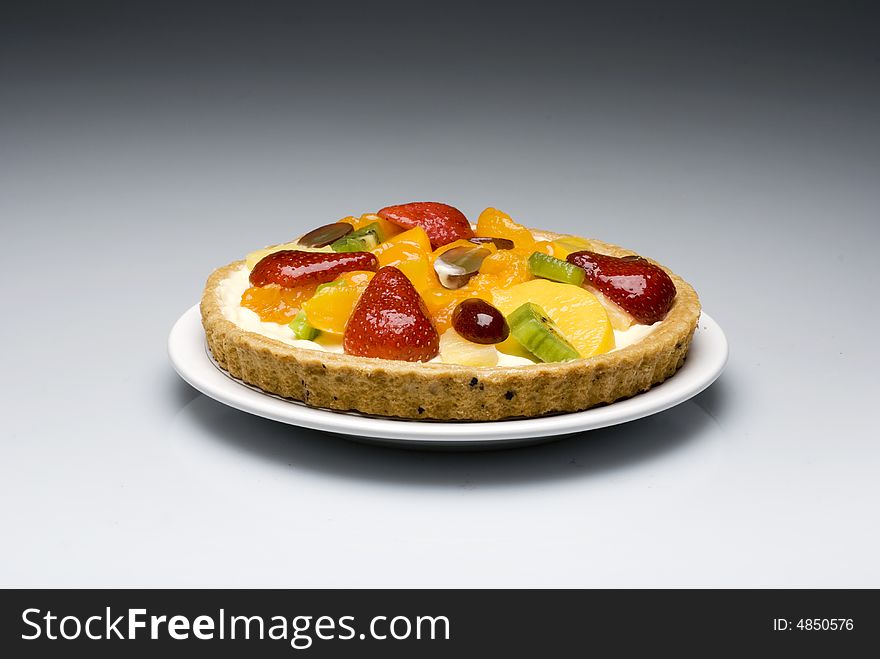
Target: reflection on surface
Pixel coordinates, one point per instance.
(204, 427)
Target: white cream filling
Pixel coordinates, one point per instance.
(233, 287)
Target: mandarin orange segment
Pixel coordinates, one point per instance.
(482, 285)
(441, 302)
(274, 304)
(399, 252)
(415, 237)
(510, 266)
(546, 247)
(494, 223)
(409, 252)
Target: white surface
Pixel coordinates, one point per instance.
(186, 347)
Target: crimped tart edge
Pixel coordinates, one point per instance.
(450, 391)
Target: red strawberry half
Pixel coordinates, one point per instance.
(292, 267)
(390, 321)
(443, 223)
(641, 288)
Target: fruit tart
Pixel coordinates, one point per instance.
(415, 312)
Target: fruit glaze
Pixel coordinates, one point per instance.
(417, 282)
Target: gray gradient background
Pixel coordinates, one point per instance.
(140, 147)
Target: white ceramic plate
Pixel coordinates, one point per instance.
(189, 354)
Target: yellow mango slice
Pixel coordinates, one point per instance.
(329, 309)
(578, 313)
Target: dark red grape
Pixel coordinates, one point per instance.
(478, 321)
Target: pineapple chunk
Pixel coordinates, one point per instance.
(566, 245)
(258, 254)
(454, 349)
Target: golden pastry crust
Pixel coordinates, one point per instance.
(450, 391)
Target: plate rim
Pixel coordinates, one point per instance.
(706, 361)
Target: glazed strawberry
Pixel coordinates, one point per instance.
(390, 321)
(444, 224)
(291, 267)
(640, 288)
